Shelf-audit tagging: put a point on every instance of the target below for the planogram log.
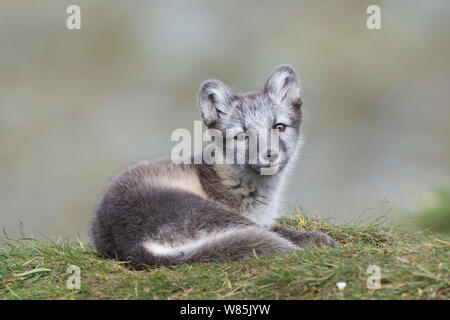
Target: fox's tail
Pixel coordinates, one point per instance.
(235, 243)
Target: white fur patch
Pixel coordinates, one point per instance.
(171, 176)
(171, 250)
(191, 246)
(188, 182)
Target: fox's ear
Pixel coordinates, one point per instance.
(214, 100)
(283, 86)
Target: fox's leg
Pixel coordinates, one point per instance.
(305, 239)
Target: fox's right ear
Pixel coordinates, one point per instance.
(214, 100)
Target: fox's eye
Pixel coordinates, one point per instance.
(281, 127)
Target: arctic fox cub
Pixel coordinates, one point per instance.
(161, 213)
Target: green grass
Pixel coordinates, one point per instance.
(435, 214)
(414, 265)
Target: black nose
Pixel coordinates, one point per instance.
(271, 155)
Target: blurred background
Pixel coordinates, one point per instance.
(76, 106)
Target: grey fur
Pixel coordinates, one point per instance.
(160, 213)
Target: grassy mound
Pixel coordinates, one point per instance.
(413, 265)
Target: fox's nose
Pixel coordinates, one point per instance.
(270, 155)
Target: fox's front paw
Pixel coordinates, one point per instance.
(314, 238)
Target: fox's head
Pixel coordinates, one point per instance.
(274, 111)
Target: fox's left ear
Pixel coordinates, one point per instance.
(283, 86)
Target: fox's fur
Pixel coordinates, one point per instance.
(160, 213)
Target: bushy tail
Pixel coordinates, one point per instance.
(235, 243)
